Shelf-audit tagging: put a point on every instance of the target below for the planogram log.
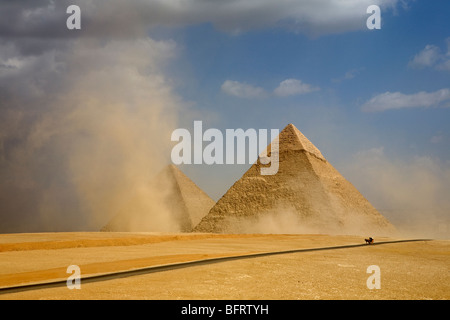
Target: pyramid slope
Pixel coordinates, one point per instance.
(306, 186)
(175, 203)
(197, 203)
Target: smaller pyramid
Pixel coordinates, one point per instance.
(173, 203)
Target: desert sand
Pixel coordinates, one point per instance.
(408, 270)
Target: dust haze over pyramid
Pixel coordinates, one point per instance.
(316, 196)
(175, 203)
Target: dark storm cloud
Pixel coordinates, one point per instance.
(28, 18)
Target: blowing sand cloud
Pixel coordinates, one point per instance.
(412, 193)
(82, 128)
(88, 134)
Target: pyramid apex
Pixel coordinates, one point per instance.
(291, 125)
(291, 138)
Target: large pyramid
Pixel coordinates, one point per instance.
(307, 190)
(175, 203)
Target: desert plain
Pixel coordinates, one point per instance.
(408, 270)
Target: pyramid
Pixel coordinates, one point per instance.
(316, 196)
(176, 203)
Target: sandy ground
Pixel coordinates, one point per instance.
(409, 270)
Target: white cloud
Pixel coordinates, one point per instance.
(348, 75)
(398, 100)
(288, 87)
(292, 87)
(426, 58)
(242, 90)
(432, 57)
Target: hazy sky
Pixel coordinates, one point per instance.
(86, 115)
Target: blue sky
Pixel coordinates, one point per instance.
(350, 68)
(86, 115)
